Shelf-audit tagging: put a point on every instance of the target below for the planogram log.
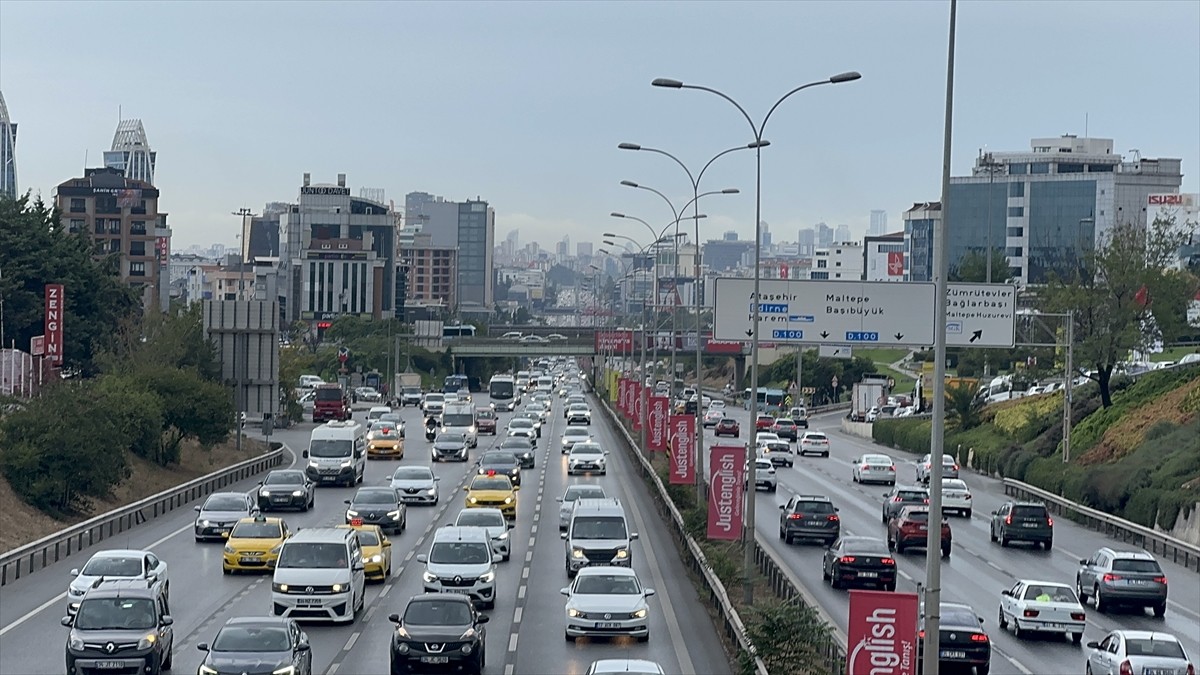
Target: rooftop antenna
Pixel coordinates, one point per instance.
(85, 156)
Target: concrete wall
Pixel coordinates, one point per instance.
(860, 429)
(1187, 526)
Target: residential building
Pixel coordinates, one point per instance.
(469, 226)
(8, 153)
(186, 274)
(562, 250)
(883, 257)
(131, 152)
(430, 273)
(878, 223)
(919, 223)
(841, 262)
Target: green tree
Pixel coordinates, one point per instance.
(972, 267)
(1125, 296)
(137, 411)
(788, 636)
(963, 407)
(39, 251)
(192, 407)
(172, 339)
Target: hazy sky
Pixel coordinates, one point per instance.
(523, 104)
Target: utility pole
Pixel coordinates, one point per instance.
(239, 367)
(1068, 377)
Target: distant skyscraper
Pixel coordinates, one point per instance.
(131, 152)
(878, 223)
(842, 234)
(583, 249)
(766, 234)
(806, 241)
(730, 236)
(824, 235)
(514, 239)
(8, 153)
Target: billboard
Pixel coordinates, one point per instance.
(683, 449)
(623, 396)
(882, 633)
(656, 434)
(636, 407)
(163, 246)
(53, 343)
(895, 263)
(726, 484)
(620, 341)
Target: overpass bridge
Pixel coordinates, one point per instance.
(477, 347)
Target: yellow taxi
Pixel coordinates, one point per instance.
(376, 549)
(493, 490)
(383, 440)
(254, 544)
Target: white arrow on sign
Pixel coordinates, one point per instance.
(835, 351)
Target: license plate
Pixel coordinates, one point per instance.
(1158, 671)
(950, 654)
(308, 601)
(435, 659)
(607, 625)
(251, 559)
(1054, 626)
(812, 522)
(279, 499)
(923, 528)
(1029, 524)
(328, 479)
(110, 665)
(460, 591)
(868, 575)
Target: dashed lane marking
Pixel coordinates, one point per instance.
(351, 641)
(521, 592)
(512, 642)
(517, 614)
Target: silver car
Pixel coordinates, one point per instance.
(567, 501)
(925, 468)
(494, 522)
(116, 564)
(607, 601)
(1140, 652)
(416, 485)
(220, 513)
(573, 435)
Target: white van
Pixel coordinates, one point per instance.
(598, 535)
(459, 418)
(337, 453)
(461, 561)
(546, 384)
(319, 575)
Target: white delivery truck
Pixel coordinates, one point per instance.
(459, 418)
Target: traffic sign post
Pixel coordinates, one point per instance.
(827, 312)
(981, 315)
(835, 352)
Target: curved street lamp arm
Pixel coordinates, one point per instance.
(786, 97)
(757, 132)
(695, 179)
(718, 156)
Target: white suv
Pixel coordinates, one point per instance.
(461, 561)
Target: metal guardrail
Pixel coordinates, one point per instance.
(50, 549)
(718, 597)
(1177, 550)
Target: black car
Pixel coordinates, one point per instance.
(521, 448)
(109, 631)
(380, 506)
(962, 642)
(449, 446)
(1023, 521)
(257, 645)
(286, 489)
(439, 630)
(501, 463)
(859, 561)
(901, 496)
(809, 517)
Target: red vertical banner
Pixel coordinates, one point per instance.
(726, 484)
(895, 263)
(683, 450)
(657, 433)
(54, 324)
(639, 415)
(882, 633)
(623, 396)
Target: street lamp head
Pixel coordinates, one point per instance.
(609, 234)
(628, 146)
(845, 77)
(758, 144)
(608, 242)
(614, 214)
(667, 82)
(730, 191)
(629, 183)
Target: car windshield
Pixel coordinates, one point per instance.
(116, 614)
(516, 444)
(253, 530)
(375, 497)
(460, 553)
(777, 445)
(1147, 647)
(921, 515)
(784, 423)
(112, 566)
(225, 504)
(815, 437)
(478, 518)
(324, 447)
(586, 450)
(490, 483)
(598, 527)
(578, 407)
(521, 423)
(485, 415)
(578, 447)
(1050, 594)
(912, 495)
(437, 613)
(435, 398)
(413, 473)
(329, 394)
(497, 458)
(954, 484)
(607, 584)
(285, 478)
(583, 492)
(576, 431)
(450, 438)
(1135, 565)
(367, 538)
(385, 430)
(252, 639)
(312, 555)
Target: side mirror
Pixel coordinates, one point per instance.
(995, 513)
(196, 509)
(75, 572)
(516, 488)
(304, 454)
(436, 478)
(1083, 561)
(633, 535)
(66, 621)
(782, 507)
(1093, 644)
(483, 618)
(606, 452)
(558, 499)
(387, 543)
(1006, 592)
(565, 590)
(422, 558)
(303, 646)
(203, 646)
(510, 525)
(260, 483)
(980, 620)
(562, 535)
(225, 535)
(357, 567)
(496, 558)
(466, 488)
(394, 618)
(166, 620)
(347, 501)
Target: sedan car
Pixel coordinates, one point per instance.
(380, 506)
(573, 435)
(1132, 578)
(586, 458)
(625, 667)
(116, 564)
(579, 413)
(814, 443)
(257, 644)
(523, 426)
(574, 493)
(962, 642)
(499, 463)
(367, 395)
(712, 418)
(1138, 651)
(873, 469)
(859, 561)
(924, 468)
(494, 522)
(785, 428)
(521, 448)
(449, 446)
(219, 514)
(416, 485)
(286, 488)
(438, 630)
(1042, 607)
(607, 602)
(727, 427)
(956, 497)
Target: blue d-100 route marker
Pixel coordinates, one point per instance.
(861, 336)
(772, 308)
(787, 335)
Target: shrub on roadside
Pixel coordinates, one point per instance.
(771, 626)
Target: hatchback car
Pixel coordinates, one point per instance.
(438, 630)
(1132, 578)
(416, 485)
(499, 463)
(523, 426)
(1023, 521)
(763, 423)
(573, 435)
(380, 506)
(625, 667)
(764, 475)
(250, 644)
(727, 427)
(901, 496)
(779, 452)
(910, 527)
(116, 564)
(809, 517)
(859, 561)
(449, 446)
(485, 421)
(494, 522)
(286, 488)
(1138, 651)
(521, 448)
(712, 418)
(814, 443)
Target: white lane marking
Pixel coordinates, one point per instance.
(533, 531)
(509, 669)
(512, 642)
(408, 556)
(41, 608)
(351, 641)
(529, 554)
(521, 592)
(906, 576)
(525, 573)
(531, 542)
(517, 614)
(1020, 666)
(332, 669)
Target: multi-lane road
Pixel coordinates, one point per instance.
(978, 569)
(526, 627)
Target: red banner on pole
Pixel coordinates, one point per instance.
(657, 433)
(882, 633)
(621, 395)
(54, 324)
(726, 484)
(639, 413)
(683, 450)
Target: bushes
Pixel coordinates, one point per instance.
(770, 624)
(907, 435)
(1144, 390)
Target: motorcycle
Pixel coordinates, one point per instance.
(431, 428)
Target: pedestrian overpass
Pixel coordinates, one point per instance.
(483, 347)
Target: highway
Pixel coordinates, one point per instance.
(525, 634)
(977, 570)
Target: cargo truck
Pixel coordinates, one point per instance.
(407, 388)
(330, 403)
(867, 395)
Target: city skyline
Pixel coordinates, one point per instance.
(545, 153)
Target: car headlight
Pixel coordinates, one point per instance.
(279, 588)
(573, 613)
(376, 558)
(577, 553)
(147, 641)
(286, 670)
(395, 515)
(75, 643)
(432, 491)
(428, 576)
(337, 588)
(622, 553)
(471, 429)
(488, 577)
(264, 493)
(345, 463)
(640, 614)
(508, 500)
(205, 670)
(80, 591)
(298, 493)
(205, 523)
(472, 500)
(229, 549)
(503, 535)
(350, 513)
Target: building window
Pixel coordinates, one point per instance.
(822, 264)
(1014, 251)
(1070, 168)
(78, 205)
(1016, 189)
(1018, 169)
(1016, 211)
(1039, 167)
(138, 227)
(114, 245)
(1100, 168)
(76, 225)
(137, 269)
(137, 248)
(837, 264)
(1015, 232)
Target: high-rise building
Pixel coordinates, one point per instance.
(583, 249)
(730, 235)
(824, 235)
(878, 223)
(123, 218)
(725, 254)
(469, 226)
(8, 153)
(131, 152)
(563, 248)
(806, 241)
(766, 235)
(842, 234)
(264, 231)
(431, 274)
(377, 195)
(919, 222)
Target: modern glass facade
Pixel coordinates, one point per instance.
(1059, 226)
(8, 153)
(918, 249)
(973, 208)
(474, 247)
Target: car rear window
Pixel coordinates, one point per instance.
(959, 616)
(917, 515)
(813, 507)
(1135, 565)
(816, 437)
(912, 495)
(1162, 648)
(1029, 511)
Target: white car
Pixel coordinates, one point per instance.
(625, 667)
(578, 413)
(716, 405)
(116, 564)
(573, 435)
(574, 492)
(1138, 651)
(778, 452)
(461, 561)
(1042, 607)
(814, 443)
(712, 417)
(586, 458)
(607, 601)
(764, 475)
(762, 437)
(416, 485)
(956, 496)
(494, 522)
(873, 469)
(523, 427)
(533, 338)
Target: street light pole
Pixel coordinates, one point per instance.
(747, 578)
(239, 397)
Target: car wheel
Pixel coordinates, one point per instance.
(1076, 638)
(170, 659)
(834, 579)
(1003, 539)
(891, 544)
(853, 477)
(1160, 610)
(788, 539)
(946, 551)
(644, 638)
(983, 669)
(1001, 620)
(568, 637)
(967, 513)
(1048, 544)
(226, 570)
(825, 576)
(891, 588)
(1083, 596)
(1101, 603)
(1017, 632)
(781, 531)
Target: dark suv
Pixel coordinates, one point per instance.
(901, 496)
(809, 517)
(910, 528)
(441, 631)
(122, 627)
(1023, 521)
(1122, 578)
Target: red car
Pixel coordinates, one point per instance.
(909, 528)
(485, 421)
(727, 427)
(764, 423)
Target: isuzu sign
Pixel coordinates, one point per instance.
(882, 635)
(54, 324)
(683, 450)
(1167, 200)
(657, 431)
(726, 483)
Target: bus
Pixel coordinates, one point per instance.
(454, 383)
(769, 400)
(503, 391)
(458, 330)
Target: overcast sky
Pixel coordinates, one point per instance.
(523, 104)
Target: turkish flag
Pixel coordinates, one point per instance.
(1142, 297)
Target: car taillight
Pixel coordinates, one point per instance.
(955, 467)
(833, 519)
(847, 559)
(864, 467)
(967, 496)
(1191, 670)
(1160, 580)
(896, 500)
(887, 561)
(1078, 616)
(795, 516)
(926, 500)
(979, 637)
(1030, 613)
(1126, 668)
(1049, 521)
(891, 468)
(921, 634)
(1008, 519)
(1112, 577)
